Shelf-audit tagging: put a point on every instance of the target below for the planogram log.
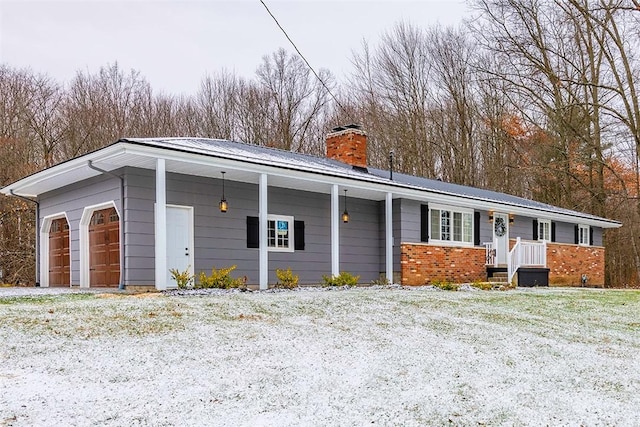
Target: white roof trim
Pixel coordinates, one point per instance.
(370, 186)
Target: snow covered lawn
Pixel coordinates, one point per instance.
(313, 357)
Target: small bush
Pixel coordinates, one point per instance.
(220, 278)
(184, 279)
(485, 286)
(343, 279)
(286, 278)
(444, 285)
(381, 281)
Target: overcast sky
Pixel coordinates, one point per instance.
(174, 43)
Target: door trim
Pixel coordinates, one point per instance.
(506, 237)
(87, 213)
(44, 247)
(191, 239)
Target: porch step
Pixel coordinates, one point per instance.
(499, 277)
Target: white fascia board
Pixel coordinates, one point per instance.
(76, 168)
(371, 183)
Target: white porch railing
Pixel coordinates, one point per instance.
(489, 254)
(526, 254)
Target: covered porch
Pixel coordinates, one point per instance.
(526, 261)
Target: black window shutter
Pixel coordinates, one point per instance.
(577, 234)
(253, 232)
(298, 235)
(553, 231)
(476, 228)
(535, 229)
(424, 223)
(591, 236)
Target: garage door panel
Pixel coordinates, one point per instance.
(59, 259)
(104, 249)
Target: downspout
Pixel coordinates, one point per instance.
(123, 246)
(26, 199)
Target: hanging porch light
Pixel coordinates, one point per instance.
(223, 205)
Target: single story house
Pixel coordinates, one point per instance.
(125, 214)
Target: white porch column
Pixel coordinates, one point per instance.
(161, 225)
(388, 216)
(262, 218)
(335, 231)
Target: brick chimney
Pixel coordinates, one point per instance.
(348, 144)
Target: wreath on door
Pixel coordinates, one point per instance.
(500, 227)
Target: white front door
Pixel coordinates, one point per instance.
(501, 237)
(179, 241)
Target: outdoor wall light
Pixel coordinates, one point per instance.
(345, 214)
(511, 218)
(490, 216)
(223, 202)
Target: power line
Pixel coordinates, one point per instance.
(344, 110)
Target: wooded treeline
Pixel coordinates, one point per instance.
(533, 98)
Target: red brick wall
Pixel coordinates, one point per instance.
(348, 146)
(568, 262)
(422, 264)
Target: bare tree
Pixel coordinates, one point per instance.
(296, 99)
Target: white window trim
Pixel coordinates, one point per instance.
(44, 247)
(587, 234)
(291, 222)
(540, 237)
(451, 209)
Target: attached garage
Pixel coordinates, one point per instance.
(59, 259)
(104, 248)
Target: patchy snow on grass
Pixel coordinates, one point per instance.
(351, 357)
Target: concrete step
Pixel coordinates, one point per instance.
(498, 279)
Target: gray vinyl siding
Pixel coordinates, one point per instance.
(72, 200)
(522, 227)
(597, 236)
(220, 238)
(410, 223)
(314, 209)
(359, 242)
(565, 232)
(139, 228)
(486, 228)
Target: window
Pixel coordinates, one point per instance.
(283, 233)
(544, 230)
(97, 219)
(280, 233)
(584, 235)
(451, 225)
